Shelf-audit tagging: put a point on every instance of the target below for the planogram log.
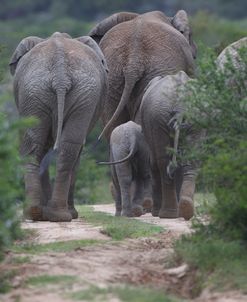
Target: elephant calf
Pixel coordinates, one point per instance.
(129, 155)
(160, 110)
(62, 82)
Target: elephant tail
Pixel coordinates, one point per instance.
(118, 161)
(129, 156)
(128, 87)
(50, 155)
(60, 110)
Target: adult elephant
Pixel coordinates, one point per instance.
(62, 82)
(231, 53)
(162, 111)
(137, 48)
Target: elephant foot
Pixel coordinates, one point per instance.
(186, 207)
(34, 213)
(168, 213)
(73, 212)
(57, 215)
(118, 213)
(155, 212)
(137, 210)
(147, 204)
(127, 213)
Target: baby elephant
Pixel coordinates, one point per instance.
(129, 160)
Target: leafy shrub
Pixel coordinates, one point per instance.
(220, 107)
(9, 182)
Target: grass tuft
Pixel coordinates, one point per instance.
(124, 294)
(5, 280)
(59, 247)
(118, 228)
(44, 280)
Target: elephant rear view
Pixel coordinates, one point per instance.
(62, 82)
(162, 112)
(139, 47)
(130, 168)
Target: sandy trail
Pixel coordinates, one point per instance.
(178, 225)
(137, 262)
(46, 232)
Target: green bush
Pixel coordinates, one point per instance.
(220, 108)
(9, 182)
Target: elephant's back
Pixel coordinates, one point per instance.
(163, 97)
(66, 58)
(148, 38)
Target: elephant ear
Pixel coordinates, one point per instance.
(181, 22)
(24, 46)
(102, 28)
(92, 44)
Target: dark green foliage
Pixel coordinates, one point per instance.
(217, 103)
(219, 263)
(11, 187)
(5, 280)
(88, 10)
(9, 225)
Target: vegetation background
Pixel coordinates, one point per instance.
(215, 23)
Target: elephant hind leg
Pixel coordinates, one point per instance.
(33, 146)
(186, 204)
(169, 206)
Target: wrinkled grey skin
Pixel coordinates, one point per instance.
(231, 51)
(137, 48)
(62, 82)
(161, 107)
(130, 168)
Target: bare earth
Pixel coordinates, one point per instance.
(135, 262)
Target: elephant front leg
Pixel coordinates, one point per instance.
(186, 203)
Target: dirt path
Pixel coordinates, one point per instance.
(137, 262)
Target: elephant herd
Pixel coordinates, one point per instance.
(129, 71)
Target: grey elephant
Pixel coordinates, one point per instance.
(161, 112)
(231, 51)
(130, 168)
(62, 82)
(137, 48)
